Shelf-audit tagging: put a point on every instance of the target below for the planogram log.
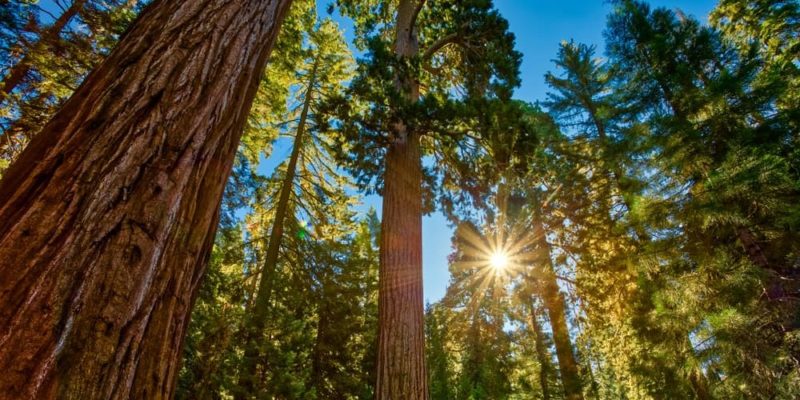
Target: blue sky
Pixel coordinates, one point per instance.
(539, 25)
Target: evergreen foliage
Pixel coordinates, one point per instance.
(647, 210)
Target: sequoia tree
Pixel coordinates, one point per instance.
(109, 214)
(427, 68)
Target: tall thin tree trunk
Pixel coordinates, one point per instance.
(257, 318)
(49, 37)
(318, 356)
(594, 388)
(542, 355)
(401, 336)
(556, 307)
(108, 216)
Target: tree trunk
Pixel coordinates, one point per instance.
(542, 354)
(750, 244)
(258, 317)
(401, 358)
(109, 214)
(401, 336)
(49, 37)
(556, 307)
(318, 357)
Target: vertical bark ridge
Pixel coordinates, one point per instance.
(109, 215)
(401, 336)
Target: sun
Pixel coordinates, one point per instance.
(498, 260)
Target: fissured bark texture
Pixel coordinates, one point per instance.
(401, 327)
(108, 217)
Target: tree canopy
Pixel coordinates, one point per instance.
(635, 234)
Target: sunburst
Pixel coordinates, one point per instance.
(495, 256)
(499, 260)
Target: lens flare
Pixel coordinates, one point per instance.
(499, 260)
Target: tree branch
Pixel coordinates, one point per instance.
(416, 13)
(439, 44)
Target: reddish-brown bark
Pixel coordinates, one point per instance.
(401, 357)
(401, 337)
(108, 216)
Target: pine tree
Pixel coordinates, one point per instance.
(438, 357)
(324, 70)
(48, 37)
(310, 330)
(717, 131)
(601, 144)
(47, 62)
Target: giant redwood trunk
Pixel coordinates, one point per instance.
(108, 216)
(556, 307)
(401, 350)
(401, 337)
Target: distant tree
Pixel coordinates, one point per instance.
(316, 335)
(426, 67)
(308, 172)
(438, 358)
(601, 150)
(48, 37)
(476, 304)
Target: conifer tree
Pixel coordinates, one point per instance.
(600, 143)
(321, 74)
(46, 62)
(427, 65)
(720, 139)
